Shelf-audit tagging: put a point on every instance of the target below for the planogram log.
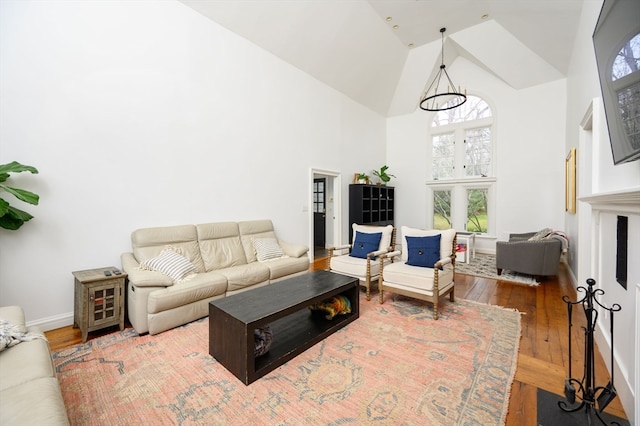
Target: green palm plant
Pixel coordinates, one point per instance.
(10, 217)
(382, 174)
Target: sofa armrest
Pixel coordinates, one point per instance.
(293, 250)
(141, 278)
(15, 316)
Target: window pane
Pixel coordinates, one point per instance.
(441, 209)
(629, 103)
(478, 152)
(628, 59)
(477, 210)
(474, 109)
(443, 156)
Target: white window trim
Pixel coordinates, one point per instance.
(464, 184)
(460, 185)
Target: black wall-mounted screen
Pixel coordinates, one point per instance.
(621, 250)
(616, 41)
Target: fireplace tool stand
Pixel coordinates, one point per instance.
(583, 393)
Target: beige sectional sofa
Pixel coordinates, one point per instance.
(29, 390)
(225, 261)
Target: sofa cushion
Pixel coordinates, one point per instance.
(37, 402)
(415, 278)
(170, 263)
(423, 251)
(365, 243)
(198, 287)
(240, 277)
(150, 242)
(254, 229)
(267, 248)
(284, 266)
(220, 245)
(25, 362)
(355, 267)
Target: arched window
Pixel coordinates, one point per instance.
(462, 167)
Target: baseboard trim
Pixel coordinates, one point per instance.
(51, 323)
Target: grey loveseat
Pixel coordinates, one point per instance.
(29, 390)
(527, 254)
(225, 261)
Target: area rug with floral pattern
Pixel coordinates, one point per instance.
(393, 365)
(484, 265)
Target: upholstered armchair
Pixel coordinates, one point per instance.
(528, 254)
(361, 258)
(427, 268)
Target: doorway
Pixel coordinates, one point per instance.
(319, 216)
(325, 212)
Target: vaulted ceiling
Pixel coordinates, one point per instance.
(355, 47)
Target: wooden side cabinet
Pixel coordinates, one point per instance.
(99, 299)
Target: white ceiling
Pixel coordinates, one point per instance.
(352, 46)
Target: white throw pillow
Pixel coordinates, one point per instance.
(169, 263)
(267, 248)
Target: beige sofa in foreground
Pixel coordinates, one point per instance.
(226, 258)
(29, 390)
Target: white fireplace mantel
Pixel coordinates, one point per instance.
(627, 200)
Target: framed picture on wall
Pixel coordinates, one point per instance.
(570, 182)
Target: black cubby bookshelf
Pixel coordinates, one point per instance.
(371, 205)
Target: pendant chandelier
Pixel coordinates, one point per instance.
(436, 99)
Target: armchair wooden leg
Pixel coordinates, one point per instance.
(499, 271)
(368, 287)
(451, 296)
(435, 309)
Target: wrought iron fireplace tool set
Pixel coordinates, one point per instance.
(592, 398)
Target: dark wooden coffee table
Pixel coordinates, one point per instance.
(284, 307)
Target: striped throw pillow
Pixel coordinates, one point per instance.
(169, 263)
(267, 248)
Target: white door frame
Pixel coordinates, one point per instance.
(336, 195)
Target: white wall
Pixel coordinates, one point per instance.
(146, 113)
(593, 233)
(528, 135)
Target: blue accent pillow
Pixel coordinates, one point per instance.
(423, 251)
(365, 244)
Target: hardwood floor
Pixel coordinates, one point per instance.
(542, 360)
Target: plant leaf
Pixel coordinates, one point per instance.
(22, 195)
(8, 222)
(4, 207)
(15, 167)
(20, 214)
(14, 218)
